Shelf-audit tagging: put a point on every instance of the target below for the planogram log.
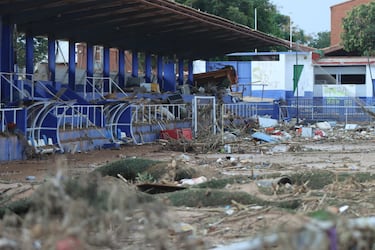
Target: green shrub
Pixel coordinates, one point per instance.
(221, 183)
(128, 168)
(210, 197)
(19, 207)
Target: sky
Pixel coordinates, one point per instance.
(310, 16)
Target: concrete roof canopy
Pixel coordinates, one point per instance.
(160, 27)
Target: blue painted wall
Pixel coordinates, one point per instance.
(243, 70)
(20, 120)
(273, 94)
(244, 77)
(11, 149)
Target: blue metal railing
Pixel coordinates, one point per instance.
(247, 110)
(337, 113)
(17, 84)
(9, 118)
(122, 118)
(100, 86)
(154, 113)
(79, 116)
(340, 109)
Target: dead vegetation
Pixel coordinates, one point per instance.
(91, 213)
(294, 194)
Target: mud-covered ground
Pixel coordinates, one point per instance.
(329, 176)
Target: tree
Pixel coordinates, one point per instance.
(40, 49)
(243, 12)
(322, 40)
(269, 20)
(358, 30)
(299, 36)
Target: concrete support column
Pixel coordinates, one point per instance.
(52, 59)
(121, 68)
(148, 67)
(29, 56)
(72, 65)
(135, 63)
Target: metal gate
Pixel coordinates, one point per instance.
(204, 115)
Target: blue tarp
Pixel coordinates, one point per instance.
(263, 137)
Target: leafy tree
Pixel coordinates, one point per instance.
(236, 15)
(269, 20)
(243, 12)
(299, 36)
(40, 49)
(322, 40)
(358, 30)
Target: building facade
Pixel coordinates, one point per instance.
(271, 75)
(338, 12)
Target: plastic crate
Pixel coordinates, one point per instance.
(176, 134)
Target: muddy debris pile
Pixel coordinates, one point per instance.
(108, 208)
(279, 186)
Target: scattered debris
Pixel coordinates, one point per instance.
(152, 188)
(265, 122)
(225, 188)
(263, 137)
(30, 178)
(306, 132)
(193, 181)
(323, 125)
(351, 126)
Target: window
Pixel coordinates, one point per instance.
(353, 79)
(340, 75)
(325, 79)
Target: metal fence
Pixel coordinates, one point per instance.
(345, 110)
(204, 115)
(337, 109)
(248, 110)
(154, 113)
(17, 84)
(101, 86)
(79, 116)
(9, 117)
(337, 113)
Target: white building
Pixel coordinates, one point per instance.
(271, 75)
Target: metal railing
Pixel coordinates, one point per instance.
(152, 114)
(13, 79)
(204, 115)
(243, 110)
(337, 113)
(50, 118)
(43, 86)
(79, 116)
(97, 86)
(8, 116)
